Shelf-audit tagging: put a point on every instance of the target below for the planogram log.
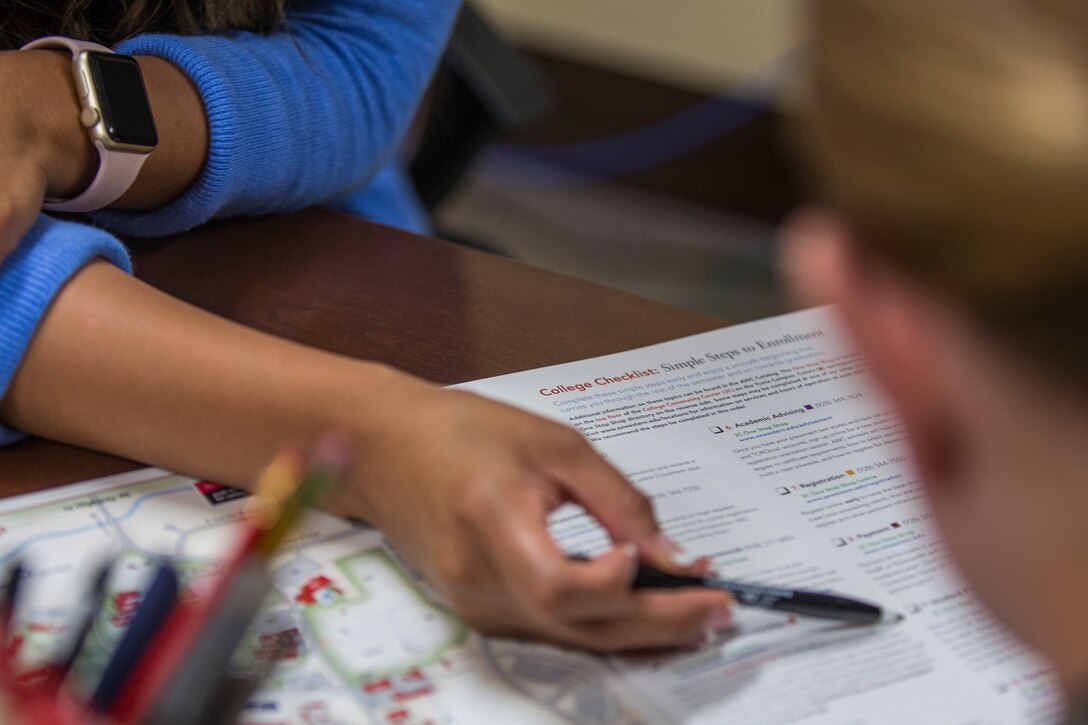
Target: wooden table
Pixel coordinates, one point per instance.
(427, 306)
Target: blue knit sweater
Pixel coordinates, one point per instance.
(310, 115)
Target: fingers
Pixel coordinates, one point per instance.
(624, 511)
(601, 489)
(591, 603)
(18, 210)
(12, 227)
(580, 591)
(658, 620)
(675, 618)
(503, 572)
(549, 583)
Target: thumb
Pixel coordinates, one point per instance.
(624, 511)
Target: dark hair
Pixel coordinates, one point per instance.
(110, 21)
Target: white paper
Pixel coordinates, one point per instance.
(767, 447)
(740, 469)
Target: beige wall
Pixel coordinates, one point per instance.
(699, 44)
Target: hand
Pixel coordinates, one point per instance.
(43, 149)
(22, 189)
(462, 486)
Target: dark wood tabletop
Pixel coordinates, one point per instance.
(428, 306)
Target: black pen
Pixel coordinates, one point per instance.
(794, 601)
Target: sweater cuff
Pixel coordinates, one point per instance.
(204, 198)
(46, 258)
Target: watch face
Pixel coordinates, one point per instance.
(126, 111)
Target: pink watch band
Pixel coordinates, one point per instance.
(116, 172)
(116, 169)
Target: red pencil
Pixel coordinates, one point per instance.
(184, 623)
(282, 494)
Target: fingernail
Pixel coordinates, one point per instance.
(698, 641)
(707, 638)
(675, 554)
(701, 566)
(630, 550)
(719, 618)
(665, 544)
(686, 559)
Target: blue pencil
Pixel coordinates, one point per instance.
(158, 602)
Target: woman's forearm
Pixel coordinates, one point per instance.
(460, 484)
(119, 366)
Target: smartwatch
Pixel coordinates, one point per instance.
(116, 113)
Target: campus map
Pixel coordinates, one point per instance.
(352, 638)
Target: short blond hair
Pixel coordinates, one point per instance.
(954, 136)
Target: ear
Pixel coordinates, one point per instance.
(892, 319)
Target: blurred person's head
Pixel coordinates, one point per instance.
(947, 141)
